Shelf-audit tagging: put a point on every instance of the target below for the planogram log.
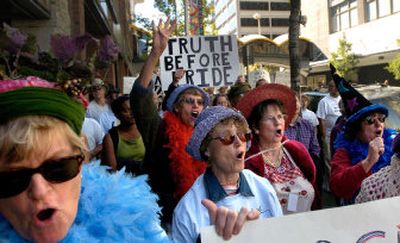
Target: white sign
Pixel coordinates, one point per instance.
(128, 83)
(208, 60)
(372, 222)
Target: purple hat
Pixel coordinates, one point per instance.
(181, 88)
(356, 105)
(206, 121)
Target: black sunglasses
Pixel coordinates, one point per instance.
(228, 140)
(13, 183)
(371, 119)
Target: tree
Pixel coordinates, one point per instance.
(394, 66)
(170, 8)
(294, 32)
(344, 60)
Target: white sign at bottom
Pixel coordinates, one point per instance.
(372, 222)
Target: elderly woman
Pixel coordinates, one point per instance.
(286, 163)
(220, 138)
(47, 194)
(363, 148)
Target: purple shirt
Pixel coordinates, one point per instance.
(304, 132)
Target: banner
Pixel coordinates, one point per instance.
(208, 60)
(372, 222)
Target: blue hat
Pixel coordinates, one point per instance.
(356, 105)
(206, 121)
(181, 88)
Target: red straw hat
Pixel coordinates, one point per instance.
(278, 92)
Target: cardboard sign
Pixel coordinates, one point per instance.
(372, 222)
(208, 60)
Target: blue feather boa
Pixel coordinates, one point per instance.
(359, 151)
(112, 208)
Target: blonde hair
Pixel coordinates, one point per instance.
(26, 136)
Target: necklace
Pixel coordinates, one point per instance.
(268, 159)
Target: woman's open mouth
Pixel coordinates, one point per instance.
(45, 214)
(195, 114)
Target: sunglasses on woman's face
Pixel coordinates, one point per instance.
(61, 170)
(372, 118)
(229, 139)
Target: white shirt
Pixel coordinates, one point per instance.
(328, 109)
(93, 132)
(94, 110)
(108, 120)
(190, 215)
(310, 116)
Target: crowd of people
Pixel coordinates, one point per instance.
(120, 170)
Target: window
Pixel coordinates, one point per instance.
(254, 6)
(253, 22)
(280, 22)
(280, 6)
(248, 22)
(344, 14)
(380, 8)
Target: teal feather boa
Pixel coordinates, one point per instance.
(112, 208)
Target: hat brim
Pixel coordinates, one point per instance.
(356, 117)
(264, 92)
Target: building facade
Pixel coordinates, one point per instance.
(369, 25)
(99, 18)
(269, 18)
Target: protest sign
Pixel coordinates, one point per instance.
(128, 83)
(372, 222)
(208, 60)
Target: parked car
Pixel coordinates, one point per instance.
(386, 95)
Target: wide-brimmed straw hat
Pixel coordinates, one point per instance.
(279, 92)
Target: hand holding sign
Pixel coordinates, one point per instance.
(228, 222)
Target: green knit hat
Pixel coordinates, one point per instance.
(34, 96)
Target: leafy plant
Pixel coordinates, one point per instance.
(394, 66)
(345, 60)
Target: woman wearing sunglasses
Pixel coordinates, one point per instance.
(286, 163)
(363, 148)
(46, 193)
(230, 195)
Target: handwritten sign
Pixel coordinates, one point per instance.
(208, 60)
(372, 222)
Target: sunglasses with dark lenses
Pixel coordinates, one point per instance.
(13, 183)
(229, 139)
(371, 119)
(191, 101)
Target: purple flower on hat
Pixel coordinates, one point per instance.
(352, 103)
(16, 38)
(107, 53)
(63, 47)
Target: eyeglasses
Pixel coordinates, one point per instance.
(371, 119)
(229, 139)
(277, 118)
(191, 101)
(13, 183)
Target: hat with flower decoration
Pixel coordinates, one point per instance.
(357, 107)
